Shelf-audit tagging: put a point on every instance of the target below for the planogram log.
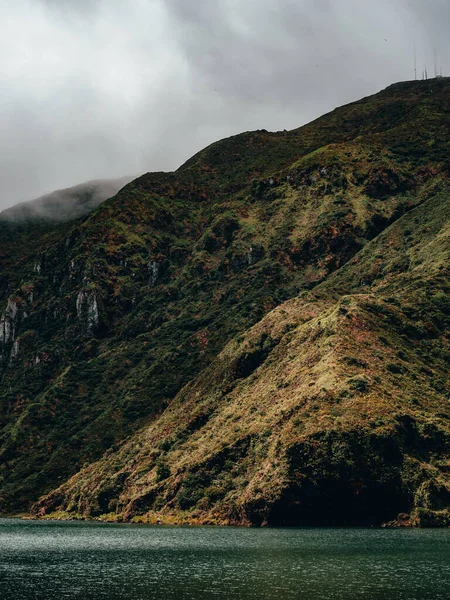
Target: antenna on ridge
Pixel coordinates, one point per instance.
(415, 63)
(435, 63)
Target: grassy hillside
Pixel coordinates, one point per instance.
(261, 336)
(332, 409)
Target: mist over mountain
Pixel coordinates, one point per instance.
(259, 337)
(65, 205)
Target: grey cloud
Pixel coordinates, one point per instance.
(98, 89)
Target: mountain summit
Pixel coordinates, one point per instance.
(261, 337)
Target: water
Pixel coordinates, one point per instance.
(93, 561)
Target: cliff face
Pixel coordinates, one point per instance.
(259, 337)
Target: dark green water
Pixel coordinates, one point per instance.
(55, 560)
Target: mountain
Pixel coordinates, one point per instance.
(261, 337)
(64, 205)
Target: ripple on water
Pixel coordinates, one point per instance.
(92, 561)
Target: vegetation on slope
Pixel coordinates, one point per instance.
(137, 318)
(333, 409)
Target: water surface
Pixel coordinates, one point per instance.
(41, 560)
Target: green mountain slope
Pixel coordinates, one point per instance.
(261, 336)
(332, 409)
(29, 226)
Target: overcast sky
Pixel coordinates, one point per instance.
(104, 88)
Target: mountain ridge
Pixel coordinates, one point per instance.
(179, 286)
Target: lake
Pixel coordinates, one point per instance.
(47, 560)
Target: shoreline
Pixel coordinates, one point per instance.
(402, 522)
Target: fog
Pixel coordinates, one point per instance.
(96, 89)
(66, 204)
